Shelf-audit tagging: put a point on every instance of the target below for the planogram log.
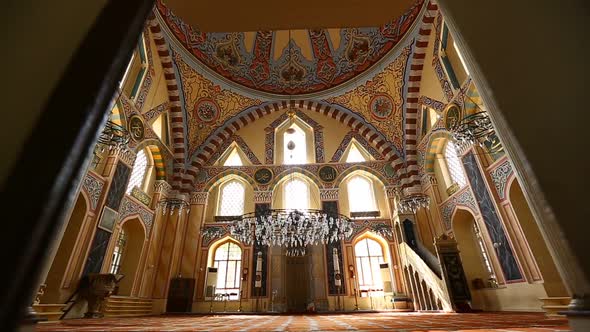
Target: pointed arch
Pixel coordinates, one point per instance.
(176, 116)
(294, 170)
(346, 141)
(222, 177)
(239, 142)
(346, 173)
(412, 94)
(249, 115)
(436, 143)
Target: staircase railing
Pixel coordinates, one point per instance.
(429, 290)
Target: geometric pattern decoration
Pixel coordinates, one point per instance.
(311, 61)
(130, 207)
(379, 101)
(373, 225)
(153, 113)
(463, 198)
(318, 134)
(208, 104)
(241, 144)
(346, 142)
(500, 175)
(93, 185)
(210, 176)
(436, 105)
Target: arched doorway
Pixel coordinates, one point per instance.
(54, 292)
(476, 264)
(551, 279)
(127, 255)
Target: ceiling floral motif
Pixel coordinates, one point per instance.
(380, 100)
(207, 104)
(285, 63)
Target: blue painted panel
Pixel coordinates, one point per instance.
(492, 221)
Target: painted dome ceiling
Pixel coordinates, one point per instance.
(292, 62)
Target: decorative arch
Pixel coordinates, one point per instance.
(241, 144)
(318, 133)
(221, 177)
(175, 106)
(337, 112)
(461, 200)
(130, 208)
(140, 221)
(367, 233)
(221, 241)
(281, 177)
(436, 143)
(162, 159)
(360, 168)
(346, 142)
(412, 95)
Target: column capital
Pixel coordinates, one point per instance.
(331, 194)
(199, 197)
(162, 187)
(263, 196)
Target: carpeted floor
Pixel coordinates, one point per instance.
(373, 322)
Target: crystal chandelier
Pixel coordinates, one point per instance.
(474, 129)
(293, 229)
(173, 204)
(412, 203)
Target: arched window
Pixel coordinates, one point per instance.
(361, 197)
(298, 154)
(369, 254)
(231, 201)
(354, 155)
(228, 261)
(138, 172)
(233, 159)
(296, 194)
(454, 165)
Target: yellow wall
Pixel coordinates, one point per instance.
(213, 199)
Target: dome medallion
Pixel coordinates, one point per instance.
(308, 62)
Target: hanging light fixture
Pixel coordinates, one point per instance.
(413, 202)
(292, 229)
(475, 129)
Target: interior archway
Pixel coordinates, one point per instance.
(131, 253)
(474, 264)
(552, 281)
(54, 293)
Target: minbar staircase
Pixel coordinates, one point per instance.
(427, 288)
(125, 306)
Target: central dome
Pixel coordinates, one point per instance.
(291, 62)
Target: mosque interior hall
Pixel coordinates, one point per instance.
(404, 165)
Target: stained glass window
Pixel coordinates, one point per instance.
(138, 172)
(228, 261)
(232, 199)
(454, 165)
(297, 155)
(296, 194)
(360, 194)
(369, 255)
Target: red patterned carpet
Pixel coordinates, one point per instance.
(373, 322)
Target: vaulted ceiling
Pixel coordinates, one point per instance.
(223, 76)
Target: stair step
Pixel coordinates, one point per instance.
(50, 316)
(48, 307)
(127, 315)
(115, 306)
(127, 309)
